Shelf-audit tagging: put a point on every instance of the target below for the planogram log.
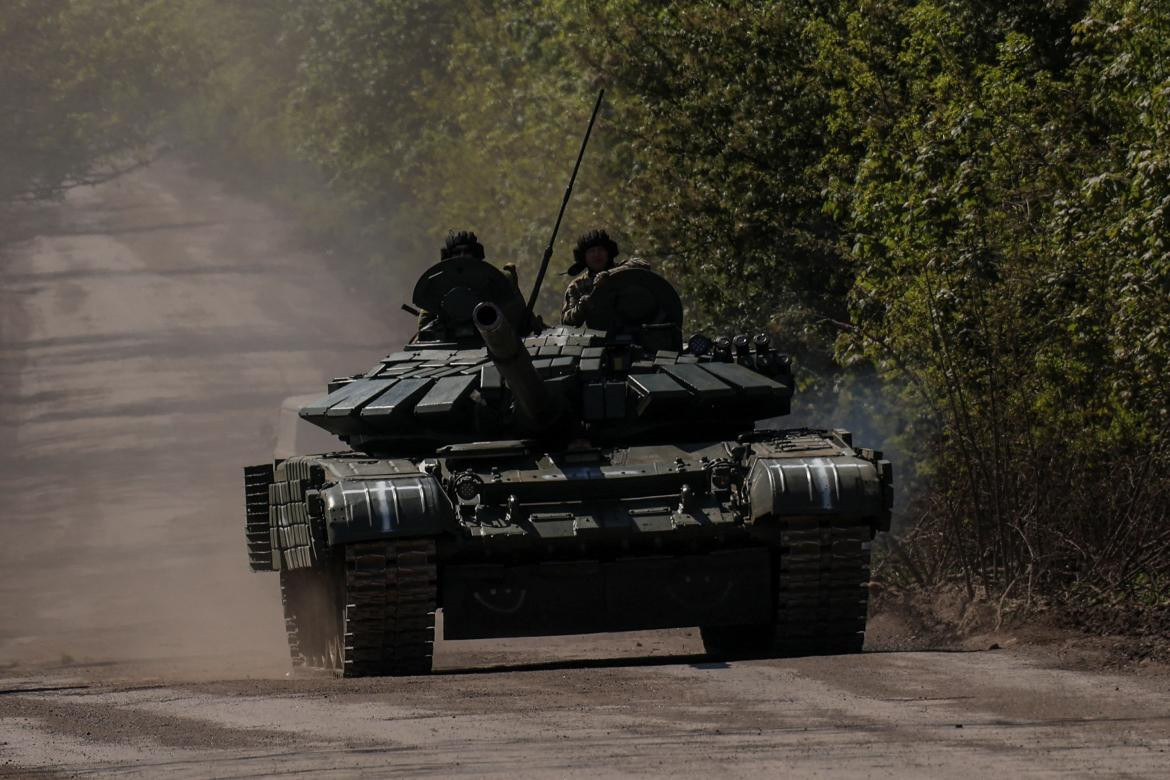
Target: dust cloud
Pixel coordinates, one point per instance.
(149, 329)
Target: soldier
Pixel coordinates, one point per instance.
(595, 252)
(462, 243)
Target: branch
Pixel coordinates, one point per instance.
(89, 180)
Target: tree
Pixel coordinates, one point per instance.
(84, 84)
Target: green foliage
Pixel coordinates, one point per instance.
(1123, 76)
(507, 128)
(724, 115)
(992, 182)
(83, 84)
(955, 209)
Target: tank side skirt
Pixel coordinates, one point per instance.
(311, 616)
(291, 623)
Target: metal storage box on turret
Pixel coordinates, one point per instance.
(534, 481)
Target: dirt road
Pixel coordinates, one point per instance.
(148, 329)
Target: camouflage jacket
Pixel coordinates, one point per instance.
(576, 307)
(577, 300)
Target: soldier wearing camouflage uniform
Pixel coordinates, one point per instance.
(595, 252)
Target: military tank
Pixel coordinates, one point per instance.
(537, 481)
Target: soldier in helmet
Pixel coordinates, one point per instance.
(461, 243)
(465, 244)
(595, 253)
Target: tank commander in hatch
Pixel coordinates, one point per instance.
(465, 244)
(461, 243)
(595, 253)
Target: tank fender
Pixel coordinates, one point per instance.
(848, 487)
(385, 507)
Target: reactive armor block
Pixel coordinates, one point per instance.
(531, 480)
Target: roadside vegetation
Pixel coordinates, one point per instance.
(954, 214)
(84, 85)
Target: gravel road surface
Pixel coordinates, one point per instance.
(149, 328)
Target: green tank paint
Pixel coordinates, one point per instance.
(565, 480)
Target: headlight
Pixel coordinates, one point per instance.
(467, 486)
(722, 475)
(698, 344)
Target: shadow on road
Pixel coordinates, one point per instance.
(696, 660)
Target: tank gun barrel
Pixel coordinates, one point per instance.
(534, 403)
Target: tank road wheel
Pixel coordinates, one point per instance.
(391, 593)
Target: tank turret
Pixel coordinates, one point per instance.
(448, 293)
(627, 378)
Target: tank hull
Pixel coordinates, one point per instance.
(724, 587)
(763, 542)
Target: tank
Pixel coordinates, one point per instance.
(526, 480)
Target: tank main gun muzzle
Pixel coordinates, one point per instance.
(534, 404)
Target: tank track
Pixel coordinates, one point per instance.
(822, 594)
(391, 590)
(821, 575)
(369, 611)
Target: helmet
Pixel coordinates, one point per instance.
(461, 243)
(588, 241)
